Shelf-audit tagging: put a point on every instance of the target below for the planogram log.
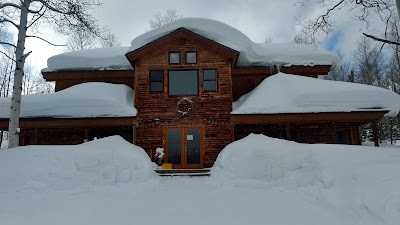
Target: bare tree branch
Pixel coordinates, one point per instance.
(381, 39)
(2, 20)
(9, 4)
(6, 43)
(6, 55)
(33, 36)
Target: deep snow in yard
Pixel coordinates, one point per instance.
(256, 180)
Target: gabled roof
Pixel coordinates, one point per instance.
(187, 34)
(209, 32)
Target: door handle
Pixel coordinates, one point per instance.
(185, 149)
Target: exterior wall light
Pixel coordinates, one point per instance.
(157, 121)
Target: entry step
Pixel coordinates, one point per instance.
(184, 172)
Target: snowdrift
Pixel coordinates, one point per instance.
(363, 179)
(104, 161)
(80, 101)
(287, 93)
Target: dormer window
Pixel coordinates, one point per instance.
(174, 58)
(191, 57)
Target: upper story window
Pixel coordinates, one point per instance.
(174, 58)
(156, 81)
(210, 80)
(183, 82)
(191, 57)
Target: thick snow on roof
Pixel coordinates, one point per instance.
(285, 93)
(251, 54)
(90, 59)
(80, 101)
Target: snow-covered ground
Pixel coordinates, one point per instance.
(256, 180)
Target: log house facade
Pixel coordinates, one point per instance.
(194, 127)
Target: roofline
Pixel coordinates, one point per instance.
(224, 50)
(51, 122)
(352, 116)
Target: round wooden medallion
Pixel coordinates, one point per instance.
(184, 106)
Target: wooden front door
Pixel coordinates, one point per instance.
(184, 147)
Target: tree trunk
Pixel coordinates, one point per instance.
(13, 126)
(398, 7)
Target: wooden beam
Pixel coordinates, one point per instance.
(288, 132)
(87, 74)
(356, 117)
(375, 132)
(71, 122)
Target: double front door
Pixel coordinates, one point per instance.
(184, 147)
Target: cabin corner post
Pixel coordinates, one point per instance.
(375, 132)
(134, 126)
(288, 137)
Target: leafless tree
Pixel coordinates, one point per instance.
(28, 16)
(363, 9)
(342, 72)
(304, 37)
(109, 39)
(79, 40)
(161, 19)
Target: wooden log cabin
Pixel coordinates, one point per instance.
(184, 84)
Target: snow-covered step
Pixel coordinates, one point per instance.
(184, 172)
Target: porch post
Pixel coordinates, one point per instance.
(36, 139)
(334, 133)
(134, 134)
(288, 132)
(375, 132)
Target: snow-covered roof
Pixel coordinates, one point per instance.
(85, 100)
(286, 93)
(90, 59)
(251, 54)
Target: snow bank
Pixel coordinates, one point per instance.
(285, 93)
(79, 101)
(362, 179)
(90, 59)
(251, 54)
(109, 160)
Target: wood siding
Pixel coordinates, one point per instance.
(304, 132)
(214, 105)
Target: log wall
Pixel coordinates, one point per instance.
(311, 133)
(214, 105)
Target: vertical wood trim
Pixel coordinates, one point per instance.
(333, 133)
(351, 136)
(36, 140)
(375, 131)
(288, 132)
(134, 134)
(86, 135)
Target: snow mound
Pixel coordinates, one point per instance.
(363, 179)
(109, 160)
(112, 58)
(85, 100)
(286, 93)
(251, 54)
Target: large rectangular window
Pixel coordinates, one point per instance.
(156, 81)
(183, 82)
(210, 80)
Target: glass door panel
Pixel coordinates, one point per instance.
(174, 146)
(192, 140)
